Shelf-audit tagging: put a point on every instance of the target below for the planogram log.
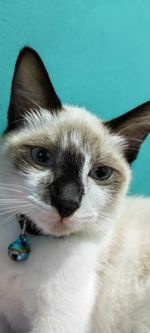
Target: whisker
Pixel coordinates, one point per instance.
(12, 196)
(5, 203)
(10, 189)
(15, 209)
(10, 199)
(26, 203)
(21, 186)
(9, 217)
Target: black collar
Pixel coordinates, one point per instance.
(31, 227)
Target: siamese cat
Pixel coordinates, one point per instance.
(64, 176)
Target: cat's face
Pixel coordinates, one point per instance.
(71, 170)
(68, 172)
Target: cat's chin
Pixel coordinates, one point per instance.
(51, 223)
(58, 227)
(62, 228)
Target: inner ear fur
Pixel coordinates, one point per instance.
(134, 126)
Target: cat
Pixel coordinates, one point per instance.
(64, 176)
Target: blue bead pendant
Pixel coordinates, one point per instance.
(19, 250)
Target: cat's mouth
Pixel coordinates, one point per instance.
(42, 220)
(62, 227)
(41, 224)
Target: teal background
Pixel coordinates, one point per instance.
(96, 51)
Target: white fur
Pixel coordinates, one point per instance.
(95, 280)
(55, 288)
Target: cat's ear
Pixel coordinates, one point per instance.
(134, 126)
(31, 88)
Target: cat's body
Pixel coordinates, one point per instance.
(123, 301)
(67, 173)
(61, 278)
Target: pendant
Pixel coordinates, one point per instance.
(19, 250)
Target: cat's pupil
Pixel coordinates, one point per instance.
(41, 156)
(101, 173)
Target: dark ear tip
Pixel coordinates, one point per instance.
(27, 51)
(147, 103)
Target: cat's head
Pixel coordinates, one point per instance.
(61, 166)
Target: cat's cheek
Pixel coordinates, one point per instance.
(98, 195)
(95, 206)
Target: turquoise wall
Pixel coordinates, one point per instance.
(96, 51)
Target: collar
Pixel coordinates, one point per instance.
(31, 227)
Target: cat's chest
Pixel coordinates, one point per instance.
(123, 294)
(59, 273)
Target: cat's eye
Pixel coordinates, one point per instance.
(101, 173)
(41, 156)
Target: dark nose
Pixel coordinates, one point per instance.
(66, 208)
(66, 198)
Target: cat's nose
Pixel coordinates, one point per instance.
(66, 208)
(66, 199)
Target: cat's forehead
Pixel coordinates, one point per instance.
(71, 121)
(71, 127)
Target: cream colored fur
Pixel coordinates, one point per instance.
(97, 278)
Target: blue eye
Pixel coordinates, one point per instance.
(101, 173)
(41, 156)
